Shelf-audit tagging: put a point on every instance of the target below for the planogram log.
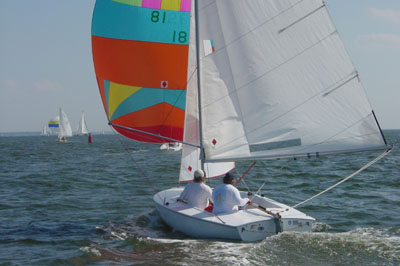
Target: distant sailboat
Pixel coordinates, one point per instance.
(175, 146)
(54, 125)
(45, 132)
(82, 128)
(65, 127)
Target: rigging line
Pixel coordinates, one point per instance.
(380, 129)
(149, 137)
(254, 195)
(258, 190)
(245, 173)
(347, 178)
(151, 134)
(248, 189)
(136, 163)
(182, 91)
(168, 115)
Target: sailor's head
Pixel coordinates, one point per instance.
(228, 178)
(199, 176)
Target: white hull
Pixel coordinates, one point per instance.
(248, 225)
(171, 146)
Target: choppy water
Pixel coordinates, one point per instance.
(77, 203)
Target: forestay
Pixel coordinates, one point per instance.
(276, 81)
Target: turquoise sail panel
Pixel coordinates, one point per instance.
(128, 22)
(147, 97)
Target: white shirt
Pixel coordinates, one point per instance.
(226, 199)
(196, 194)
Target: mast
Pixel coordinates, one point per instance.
(196, 13)
(60, 127)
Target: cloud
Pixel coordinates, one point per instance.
(389, 15)
(385, 39)
(46, 85)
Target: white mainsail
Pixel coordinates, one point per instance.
(279, 83)
(82, 128)
(65, 126)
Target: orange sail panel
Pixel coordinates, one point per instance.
(142, 64)
(140, 54)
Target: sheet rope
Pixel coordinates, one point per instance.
(386, 152)
(135, 162)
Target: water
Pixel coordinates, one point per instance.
(77, 203)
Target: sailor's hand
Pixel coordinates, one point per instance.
(249, 202)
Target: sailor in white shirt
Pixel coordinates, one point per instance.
(226, 197)
(197, 193)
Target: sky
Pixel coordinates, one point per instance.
(46, 60)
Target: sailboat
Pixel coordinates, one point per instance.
(232, 81)
(54, 125)
(45, 132)
(175, 146)
(64, 127)
(82, 128)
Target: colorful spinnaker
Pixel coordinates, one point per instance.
(55, 122)
(140, 54)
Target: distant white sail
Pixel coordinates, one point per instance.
(65, 126)
(82, 128)
(45, 132)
